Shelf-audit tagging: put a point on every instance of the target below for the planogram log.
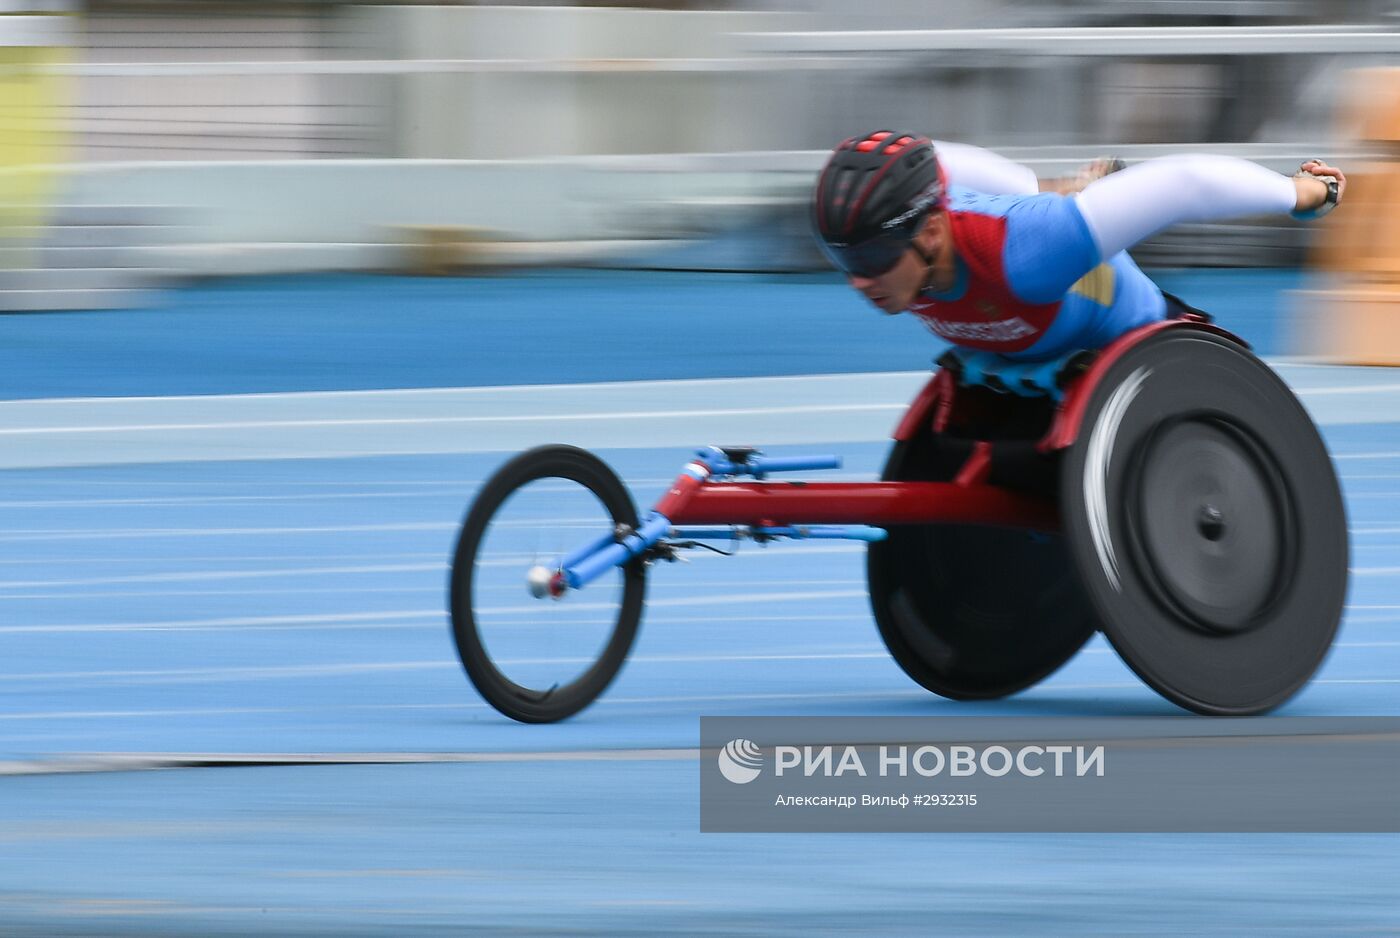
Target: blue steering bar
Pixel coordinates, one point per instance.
(587, 563)
(610, 552)
(758, 465)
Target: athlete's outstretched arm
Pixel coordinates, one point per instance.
(1126, 207)
(984, 171)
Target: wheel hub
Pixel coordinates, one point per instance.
(1211, 523)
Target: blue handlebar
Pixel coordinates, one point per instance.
(758, 465)
(587, 568)
(763, 464)
(843, 532)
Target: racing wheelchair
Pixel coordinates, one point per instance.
(1168, 490)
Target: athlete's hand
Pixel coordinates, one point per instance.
(1089, 172)
(1315, 195)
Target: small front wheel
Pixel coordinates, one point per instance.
(539, 660)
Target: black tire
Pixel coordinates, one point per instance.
(551, 704)
(1207, 524)
(970, 612)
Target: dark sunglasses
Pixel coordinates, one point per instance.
(872, 258)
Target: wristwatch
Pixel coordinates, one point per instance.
(1329, 203)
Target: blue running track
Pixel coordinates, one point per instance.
(224, 534)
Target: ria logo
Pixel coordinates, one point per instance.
(740, 761)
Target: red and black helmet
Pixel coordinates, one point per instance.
(872, 197)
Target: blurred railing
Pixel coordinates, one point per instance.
(1117, 41)
(493, 82)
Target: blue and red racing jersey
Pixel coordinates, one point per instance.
(1030, 282)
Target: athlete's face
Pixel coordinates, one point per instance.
(893, 291)
(896, 289)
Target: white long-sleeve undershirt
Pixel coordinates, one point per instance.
(984, 171)
(1132, 204)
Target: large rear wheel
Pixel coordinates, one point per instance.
(1206, 523)
(972, 612)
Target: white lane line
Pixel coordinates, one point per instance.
(129, 714)
(80, 562)
(870, 696)
(753, 550)
(347, 424)
(525, 390)
(470, 705)
(82, 763)
(462, 496)
(236, 622)
(197, 575)
(321, 621)
(219, 499)
(856, 695)
(87, 595)
(434, 591)
(508, 420)
(495, 389)
(373, 621)
(100, 534)
(1347, 389)
(316, 625)
(419, 421)
(1392, 454)
(263, 672)
(335, 620)
(277, 672)
(48, 480)
(463, 492)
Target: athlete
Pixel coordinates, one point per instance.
(962, 238)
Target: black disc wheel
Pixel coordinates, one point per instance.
(1206, 522)
(539, 659)
(972, 612)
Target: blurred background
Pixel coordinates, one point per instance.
(151, 141)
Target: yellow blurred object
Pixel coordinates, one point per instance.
(447, 250)
(32, 139)
(1358, 320)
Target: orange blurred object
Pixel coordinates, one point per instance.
(1357, 320)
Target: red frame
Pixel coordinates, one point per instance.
(968, 499)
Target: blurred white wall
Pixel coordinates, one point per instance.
(139, 93)
(314, 136)
(561, 80)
